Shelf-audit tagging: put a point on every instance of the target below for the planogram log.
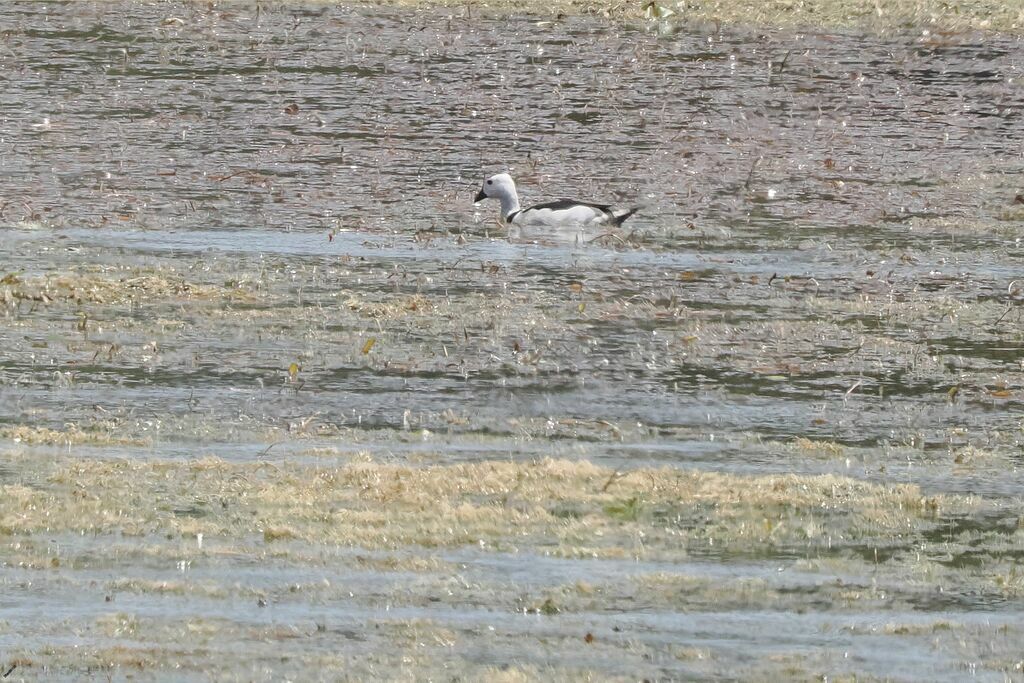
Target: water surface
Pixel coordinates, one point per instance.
(827, 275)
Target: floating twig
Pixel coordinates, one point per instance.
(609, 234)
(614, 476)
(782, 64)
(750, 174)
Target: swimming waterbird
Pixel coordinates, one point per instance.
(560, 212)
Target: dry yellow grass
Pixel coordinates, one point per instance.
(108, 285)
(398, 518)
(824, 448)
(570, 508)
(950, 15)
(72, 435)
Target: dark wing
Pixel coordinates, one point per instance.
(563, 204)
(614, 217)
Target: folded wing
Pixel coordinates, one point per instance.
(563, 212)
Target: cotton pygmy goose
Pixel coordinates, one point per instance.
(560, 212)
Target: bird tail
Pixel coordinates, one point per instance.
(619, 216)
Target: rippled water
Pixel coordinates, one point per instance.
(829, 247)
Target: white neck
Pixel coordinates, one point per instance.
(509, 205)
(509, 201)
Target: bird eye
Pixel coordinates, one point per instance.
(490, 182)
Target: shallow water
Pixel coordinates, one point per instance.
(829, 250)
